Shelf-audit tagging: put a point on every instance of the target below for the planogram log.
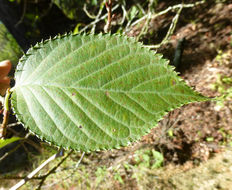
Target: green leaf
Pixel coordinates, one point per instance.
(159, 159)
(69, 7)
(9, 48)
(73, 9)
(4, 142)
(95, 92)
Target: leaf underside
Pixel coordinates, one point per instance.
(95, 92)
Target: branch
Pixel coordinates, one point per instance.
(18, 177)
(87, 12)
(23, 14)
(71, 174)
(10, 152)
(6, 113)
(98, 15)
(43, 176)
(53, 169)
(14, 124)
(170, 31)
(97, 20)
(33, 173)
(146, 24)
(109, 19)
(171, 8)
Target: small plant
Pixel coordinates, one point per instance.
(223, 86)
(101, 174)
(148, 158)
(118, 177)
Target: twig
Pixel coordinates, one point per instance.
(32, 143)
(141, 8)
(145, 26)
(6, 113)
(33, 173)
(42, 176)
(14, 124)
(10, 152)
(87, 12)
(47, 11)
(170, 31)
(53, 170)
(124, 15)
(23, 14)
(97, 20)
(18, 177)
(25, 139)
(98, 15)
(127, 28)
(171, 8)
(109, 18)
(74, 170)
(79, 161)
(22, 182)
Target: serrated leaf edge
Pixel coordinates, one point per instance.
(132, 40)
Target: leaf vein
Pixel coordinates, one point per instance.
(98, 126)
(100, 109)
(64, 136)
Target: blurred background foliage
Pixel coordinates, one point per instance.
(9, 47)
(44, 18)
(71, 8)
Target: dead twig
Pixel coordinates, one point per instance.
(146, 25)
(98, 20)
(171, 8)
(53, 170)
(33, 173)
(14, 124)
(23, 14)
(6, 113)
(10, 152)
(4, 123)
(43, 176)
(71, 174)
(87, 12)
(98, 16)
(109, 18)
(18, 177)
(170, 30)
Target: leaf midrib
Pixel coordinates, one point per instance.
(97, 89)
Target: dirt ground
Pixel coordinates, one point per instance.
(199, 129)
(216, 174)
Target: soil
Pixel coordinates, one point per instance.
(195, 138)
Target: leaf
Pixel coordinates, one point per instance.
(9, 48)
(159, 159)
(95, 92)
(74, 9)
(70, 7)
(4, 142)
